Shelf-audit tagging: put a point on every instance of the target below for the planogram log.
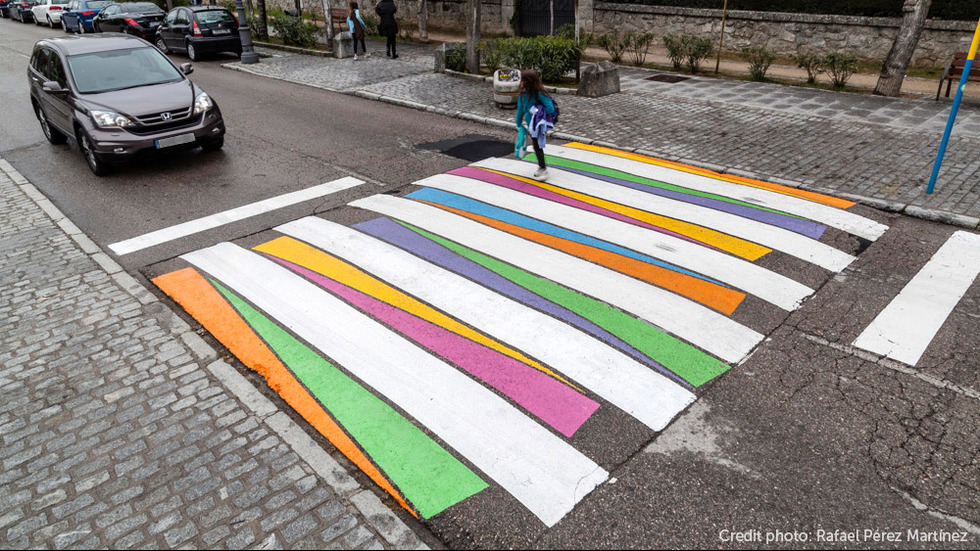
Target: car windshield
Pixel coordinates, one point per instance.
(139, 7)
(215, 16)
(120, 69)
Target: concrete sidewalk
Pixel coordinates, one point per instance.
(876, 150)
(122, 428)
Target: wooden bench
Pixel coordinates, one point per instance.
(954, 72)
(338, 16)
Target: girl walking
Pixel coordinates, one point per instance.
(536, 109)
(356, 26)
(389, 27)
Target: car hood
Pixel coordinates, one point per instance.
(145, 100)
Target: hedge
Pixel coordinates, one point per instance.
(965, 10)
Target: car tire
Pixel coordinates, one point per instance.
(192, 52)
(96, 28)
(96, 165)
(64, 26)
(81, 28)
(162, 45)
(213, 145)
(52, 134)
(50, 22)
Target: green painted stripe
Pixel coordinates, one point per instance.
(691, 364)
(613, 173)
(427, 475)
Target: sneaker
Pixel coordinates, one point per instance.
(541, 174)
(355, 57)
(394, 56)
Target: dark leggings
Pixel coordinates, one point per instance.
(538, 152)
(363, 47)
(390, 45)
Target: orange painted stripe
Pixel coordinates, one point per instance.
(711, 295)
(202, 301)
(785, 190)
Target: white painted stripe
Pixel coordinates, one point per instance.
(780, 239)
(633, 387)
(904, 329)
(698, 325)
(765, 284)
(233, 215)
(825, 214)
(539, 469)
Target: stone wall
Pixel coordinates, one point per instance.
(869, 38)
(444, 15)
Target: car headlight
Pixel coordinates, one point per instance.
(108, 119)
(202, 103)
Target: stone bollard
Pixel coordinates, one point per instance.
(599, 80)
(343, 45)
(440, 57)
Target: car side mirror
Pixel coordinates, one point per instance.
(186, 68)
(53, 87)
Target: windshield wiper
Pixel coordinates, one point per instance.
(135, 86)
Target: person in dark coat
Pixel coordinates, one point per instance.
(386, 11)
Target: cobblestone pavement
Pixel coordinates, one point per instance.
(879, 150)
(122, 428)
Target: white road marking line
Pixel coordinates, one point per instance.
(539, 469)
(904, 329)
(692, 322)
(773, 237)
(837, 218)
(629, 385)
(765, 284)
(232, 215)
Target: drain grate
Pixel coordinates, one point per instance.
(667, 78)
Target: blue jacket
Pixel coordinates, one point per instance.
(524, 104)
(350, 24)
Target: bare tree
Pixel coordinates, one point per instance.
(423, 21)
(473, 37)
(329, 17)
(914, 13)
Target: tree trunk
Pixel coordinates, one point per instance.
(473, 37)
(423, 21)
(914, 13)
(263, 21)
(329, 18)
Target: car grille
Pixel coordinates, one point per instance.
(155, 122)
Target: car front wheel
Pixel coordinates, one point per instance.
(213, 145)
(162, 45)
(81, 28)
(98, 166)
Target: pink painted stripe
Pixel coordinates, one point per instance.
(524, 187)
(553, 402)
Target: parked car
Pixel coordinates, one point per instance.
(5, 8)
(197, 30)
(136, 18)
(48, 12)
(118, 97)
(77, 17)
(21, 10)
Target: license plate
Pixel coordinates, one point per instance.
(175, 140)
(221, 31)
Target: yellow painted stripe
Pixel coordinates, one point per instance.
(785, 190)
(314, 259)
(734, 245)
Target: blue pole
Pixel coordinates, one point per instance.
(949, 125)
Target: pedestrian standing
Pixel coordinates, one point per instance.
(389, 27)
(536, 110)
(356, 26)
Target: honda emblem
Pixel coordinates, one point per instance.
(166, 116)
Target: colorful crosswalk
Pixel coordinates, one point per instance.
(464, 335)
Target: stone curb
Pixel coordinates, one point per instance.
(395, 532)
(489, 80)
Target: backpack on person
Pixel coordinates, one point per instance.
(358, 30)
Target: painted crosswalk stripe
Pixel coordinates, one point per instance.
(778, 239)
(904, 329)
(765, 284)
(233, 215)
(709, 330)
(646, 395)
(540, 470)
(837, 218)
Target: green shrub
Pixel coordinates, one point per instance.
(840, 66)
(811, 63)
(614, 44)
(293, 31)
(696, 50)
(566, 31)
(490, 53)
(456, 58)
(759, 59)
(675, 50)
(551, 56)
(370, 24)
(637, 46)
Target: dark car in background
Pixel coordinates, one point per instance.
(21, 10)
(136, 18)
(197, 30)
(78, 15)
(5, 8)
(118, 97)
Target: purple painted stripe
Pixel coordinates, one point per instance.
(805, 227)
(387, 230)
(549, 399)
(524, 187)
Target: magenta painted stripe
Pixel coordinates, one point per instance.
(550, 400)
(524, 187)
